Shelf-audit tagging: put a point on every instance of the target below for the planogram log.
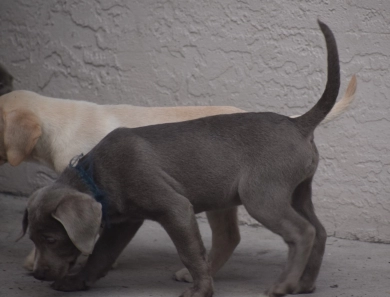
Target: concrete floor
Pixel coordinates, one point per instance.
(350, 268)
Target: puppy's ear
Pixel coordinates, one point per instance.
(81, 217)
(24, 225)
(22, 130)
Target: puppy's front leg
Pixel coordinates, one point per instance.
(225, 238)
(110, 244)
(181, 225)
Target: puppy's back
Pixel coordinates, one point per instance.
(209, 153)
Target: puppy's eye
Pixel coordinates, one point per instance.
(50, 240)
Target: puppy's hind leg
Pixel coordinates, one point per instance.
(269, 204)
(225, 238)
(181, 225)
(302, 203)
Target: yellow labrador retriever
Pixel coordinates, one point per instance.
(51, 131)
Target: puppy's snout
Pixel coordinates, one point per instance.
(42, 274)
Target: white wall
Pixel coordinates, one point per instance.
(257, 55)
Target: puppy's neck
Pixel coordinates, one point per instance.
(79, 175)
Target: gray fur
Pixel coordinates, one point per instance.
(169, 172)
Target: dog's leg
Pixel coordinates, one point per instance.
(180, 223)
(302, 203)
(82, 260)
(225, 238)
(274, 211)
(108, 247)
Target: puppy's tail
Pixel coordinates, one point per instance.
(342, 104)
(310, 120)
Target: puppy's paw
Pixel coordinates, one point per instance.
(183, 275)
(70, 284)
(280, 289)
(29, 261)
(204, 288)
(270, 294)
(198, 293)
(304, 289)
(28, 265)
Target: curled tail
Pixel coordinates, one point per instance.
(311, 119)
(344, 102)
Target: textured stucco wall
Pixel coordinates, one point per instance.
(256, 55)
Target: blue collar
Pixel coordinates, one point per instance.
(83, 165)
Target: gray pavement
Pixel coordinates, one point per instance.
(350, 268)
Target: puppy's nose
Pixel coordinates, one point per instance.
(41, 274)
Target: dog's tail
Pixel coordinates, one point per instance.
(310, 120)
(342, 104)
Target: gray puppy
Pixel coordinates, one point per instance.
(6, 80)
(169, 172)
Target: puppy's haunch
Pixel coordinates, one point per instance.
(169, 172)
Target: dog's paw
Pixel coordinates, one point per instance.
(183, 275)
(280, 289)
(29, 261)
(28, 265)
(197, 293)
(270, 294)
(70, 284)
(304, 289)
(204, 288)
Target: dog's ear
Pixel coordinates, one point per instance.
(81, 217)
(21, 132)
(24, 225)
